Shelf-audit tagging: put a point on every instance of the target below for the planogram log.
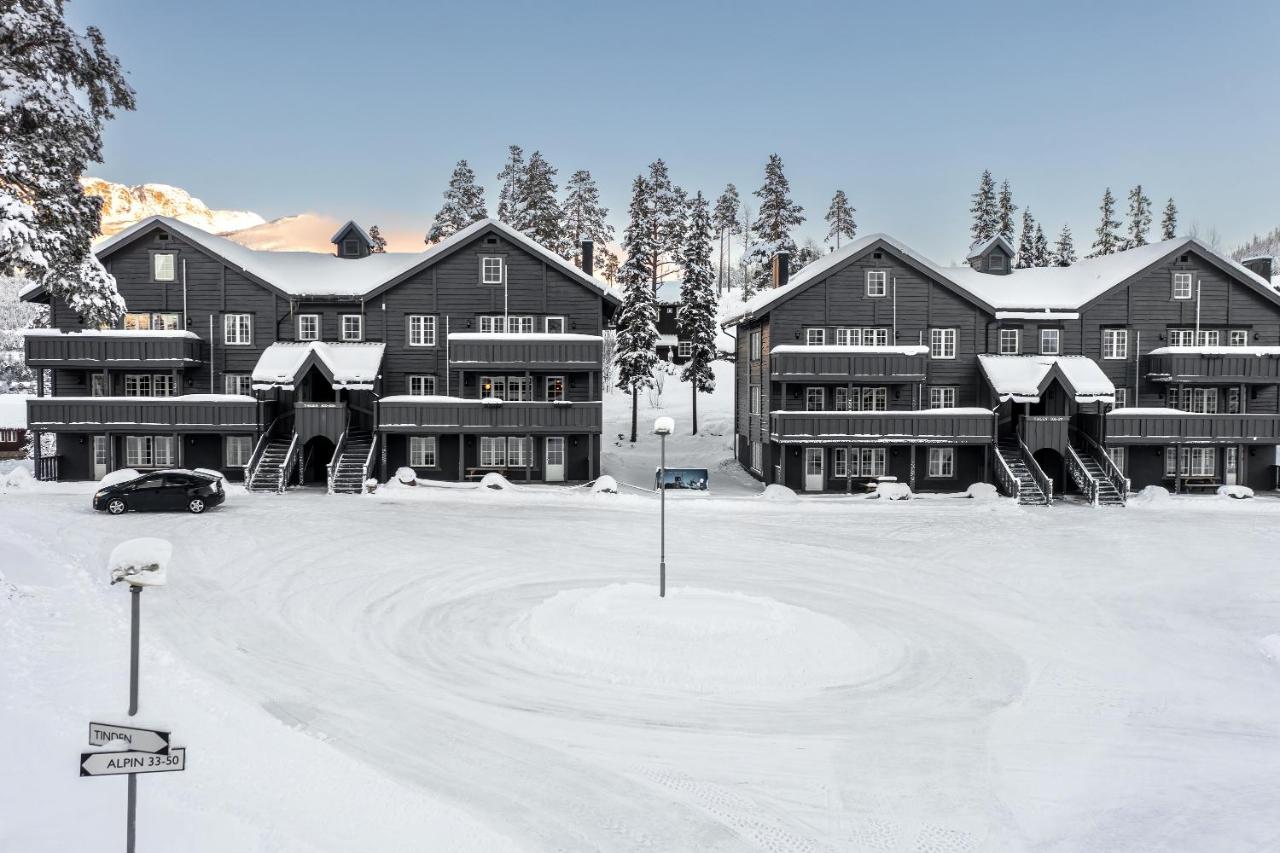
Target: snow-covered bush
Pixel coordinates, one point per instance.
(779, 492)
(124, 475)
(371, 485)
(892, 491)
(494, 480)
(1238, 492)
(604, 485)
(406, 476)
(1149, 496)
(982, 492)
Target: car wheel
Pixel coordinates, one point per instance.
(116, 506)
(196, 505)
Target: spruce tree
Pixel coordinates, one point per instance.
(1004, 213)
(1139, 218)
(463, 205)
(636, 350)
(58, 88)
(1026, 242)
(666, 227)
(1040, 254)
(379, 243)
(985, 215)
(1106, 241)
(1169, 222)
(840, 219)
(511, 185)
(537, 212)
(778, 214)
(696, 318)
(584, 216)
(1064, 251)
(725, 223)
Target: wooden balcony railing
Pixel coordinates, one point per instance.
(474, 416)
(795, 364)
(1153, 426)
(952, 426)
(111, 349)
(1248, 367)
(194, 413)
(532, 352)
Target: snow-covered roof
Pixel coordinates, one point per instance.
(351, 224)
(1037, 315)
(345, 365)
(13, 411)
(668, 340)
(1024, 378)
(981, 247)
(1263, 257)
(912, 349)
(1218, 350)
(668, 292)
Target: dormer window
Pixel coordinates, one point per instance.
(164, 266)
(350, 248)
(995, 261)
(491, 270)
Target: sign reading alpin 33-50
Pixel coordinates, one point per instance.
(115, 763)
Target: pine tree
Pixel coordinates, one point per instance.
(1169, 223)
(584, 217)
(1040, 254)
(1139, 218)
(636, 350)
(1026, 242)
(696, 319)
(1004, 213)
(985, 216)
(463, 204)
(666, 227)
(537, 211)
(725, 223)
(840, 219)
(58, 88)
(511, 185)
(609, 265)
(1106, 241)
(748, 286)
(1064, 251)
(379, 242)
(778, 214)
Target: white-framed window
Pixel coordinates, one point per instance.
(753, 399)
(1209, 338)
(1009, 339)
(684, 349)
(870, 337)
(149, 385)
(554, 387)
(308, 327)
(815, 398)
(757, 457)
(1190, 461)
(942, 397)
(519, 452)
(1122, 398)
(99, 445)
(1115, 343)
(352, 327)
(1182, 337)
(1238, 338)
(1050, 341)
(497, 324)
(858, 462)
(491, 269)
(1182, 285)
(756, 342)
(840, 462)
(493, 452)
(158, 321)
(1117, 455)
(942, 462)
(422, 451)
(1192, 399)
(507, 388)
(422, 386)
(237, 329)
(877, 282)
(815, 337)
(554, 325)
(236, 450)
(1233, 401)
(237, 383)
(148, 451)
(872, 398)
(422, 330)
(875, 399)
(164, 266)
(942, 343)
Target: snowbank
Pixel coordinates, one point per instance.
(406, 476)
(1237, 492)
(604, 485)
(19, 478)
(892, 492)
(124, 475)
(1151, 496)
(779, 492)
(494, 480)
(982, 492)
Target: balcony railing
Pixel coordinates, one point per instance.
(1170, 426)
(525, 352)
(950, 426)
(111, 349)
(1225, 367)
(473, 416)
(799, 364)
(192, 413)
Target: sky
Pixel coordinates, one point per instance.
(361, 109)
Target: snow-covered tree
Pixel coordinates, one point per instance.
(538, 212)
(1064, 251)
(58, 88)
(463, 205)
(1106, 241)
(744, 262)
(666, 227)
(696, 317)
(608, 265)
(379, 243)
(840, 219)
(635, 352)
(806, 253)
(1169, 222)
(511, 185)
(985, 215)
(1026, 241)
(1139, 218)
(725, 222)
(1041, 256)
(1005, 210)
(778, 214)
(584, 216)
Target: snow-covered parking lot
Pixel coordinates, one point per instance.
(472, 670)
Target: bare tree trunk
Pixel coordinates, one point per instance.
(634, 413)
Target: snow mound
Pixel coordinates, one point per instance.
(604, 484)
(1150, 495)
(779, 492)
(494, 480)
(124, 475)
(696, 640)
(407, 476)
(892, 491)
(1270, 647)
(1237, 492)
(141, 562)
(982, 492)
(18, 478)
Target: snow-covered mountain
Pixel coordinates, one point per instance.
(124, 205)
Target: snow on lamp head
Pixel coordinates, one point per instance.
(140, 562)
(664, 426)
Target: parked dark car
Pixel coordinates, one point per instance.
(160, 490)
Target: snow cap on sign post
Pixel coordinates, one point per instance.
(140, 562)
(664, 426)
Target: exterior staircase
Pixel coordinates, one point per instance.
(1029, 492)
(348, 471)
(267, 476)
(1107, 494)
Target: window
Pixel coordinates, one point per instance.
(352, 327)
(99, 446)
(519, 453)
(422, 451)
(684, 349)
(237, 450)
(1115, 343)
(97, 385)
(164, 266)
(840, 462)
(815, 337)
(554, 325)
(308, 327)
(493, 452)
(942, 397)
(1009, 341)
(498, 324)
(137, 322)
(350, 248)
(1182, 285)
(1122, 398)
(942, 343)
(422, 330)
(1117, 457)
(753, 399)
(869, 399)
(422, 386)
(1182, 337)
(237, 383)
(237, 329)
(757, 457)
(555, 388)
(1238, 338)
(1208, 338)
(995, 261)
(875, 399)
(491, 270)
(148, 451)
(858, 462)
(507, 388)
(149, 385)
(756, 347)
(519, 388)
(1050, 341)
(942, 462)
(877, 282)
(1233, 401)
(874, 337)
(164, 385)
(1190, 461)
(142, 322)
(815, 399)
(1189, 399)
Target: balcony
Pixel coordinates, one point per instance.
(932, 426)
(848, 364)
(1171, 426)
(1233, 365)
(103, 349)
(191, 413)
(525, 352)
(454, 415)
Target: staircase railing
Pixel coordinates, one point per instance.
(368, 463)
(338, 447)
(1037, 473)
(1112, 471)
(1005, 479)
(255, 458)
(290, 459)
(1083, 479)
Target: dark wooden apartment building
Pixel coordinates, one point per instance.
(480, 354)
(1155, 366)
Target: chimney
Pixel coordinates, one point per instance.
(781, 269)
(588, 256)
(1260, 264)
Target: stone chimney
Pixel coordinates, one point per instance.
(588, 256)
(781, 269)
(1260, 264)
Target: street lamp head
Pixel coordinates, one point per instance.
(664, 426)
(140, 562)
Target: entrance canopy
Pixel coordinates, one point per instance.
(352, 366)
(1025, 378)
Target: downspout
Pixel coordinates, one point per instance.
(895, 310)
(184, 294)
(212, 386)
(447, 387)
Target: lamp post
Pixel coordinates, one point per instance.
(662, 428)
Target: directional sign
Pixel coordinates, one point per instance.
(139, 740)
(117, 763)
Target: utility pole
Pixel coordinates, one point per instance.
(662, 428)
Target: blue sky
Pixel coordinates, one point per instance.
(361, 109)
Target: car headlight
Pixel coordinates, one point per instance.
(100, 494)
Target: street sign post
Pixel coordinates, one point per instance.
(117, 763)
(139, 740)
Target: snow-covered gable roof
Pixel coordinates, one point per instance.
(669, 293)
(981, 247)
(351, 225)
(345, 365)
(1024, 378)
